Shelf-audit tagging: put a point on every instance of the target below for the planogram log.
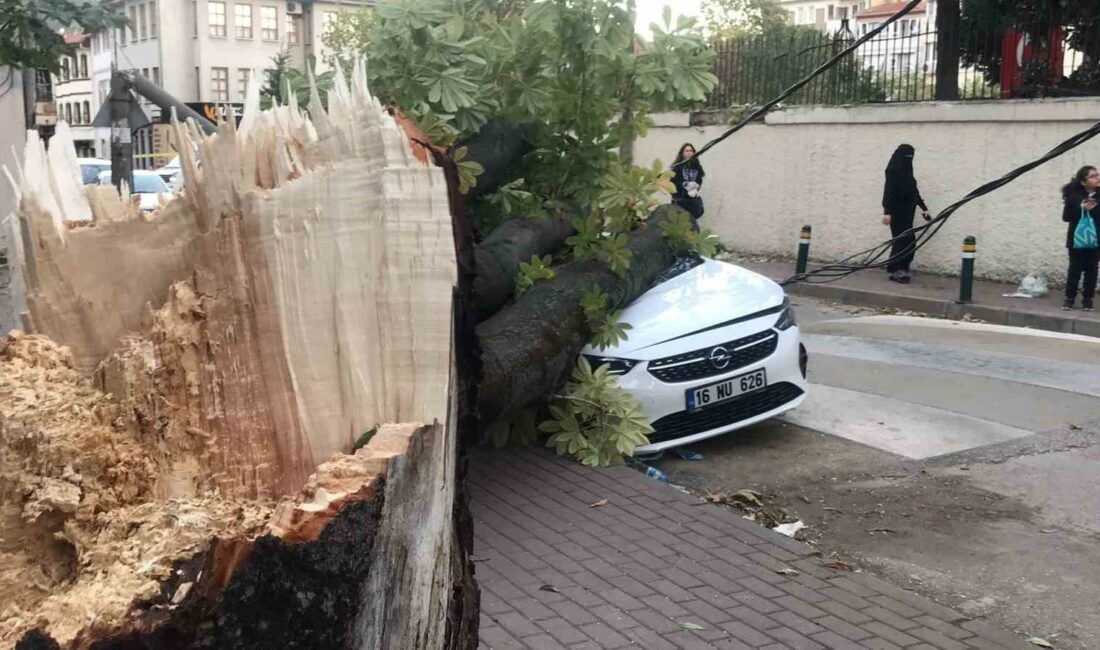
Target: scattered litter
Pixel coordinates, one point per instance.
(789, 529)
(965, 468)
(1032, 286)
(1074, 427)
(1042, 643)
(550, 588)
(751, 497)
(1047, 531)
(881, 530)
(601, 502)
(475, 559)
(688, 454)
(692, 626)
(831, 509)
(656, 474)
(787, 571)
(838, 564)
(804, 498)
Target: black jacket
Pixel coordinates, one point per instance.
(1072, 195)
(689, 171)
(900, 194)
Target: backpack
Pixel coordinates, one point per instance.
(1084, 235)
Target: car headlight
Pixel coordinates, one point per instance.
(616, 366)
(786, 319)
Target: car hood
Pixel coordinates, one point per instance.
(709, 294)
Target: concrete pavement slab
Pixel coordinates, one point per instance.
(899, 427)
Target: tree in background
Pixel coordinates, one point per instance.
(983, 25)
(730, 18)
(30, 37)
(568, 66)
(284, 80)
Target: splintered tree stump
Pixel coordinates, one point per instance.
(176, 432)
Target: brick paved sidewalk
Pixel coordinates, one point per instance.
(557, 573)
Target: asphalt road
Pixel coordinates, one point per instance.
(957, 459)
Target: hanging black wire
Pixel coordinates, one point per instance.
(873, 257)
(759, 112)
(878, 256)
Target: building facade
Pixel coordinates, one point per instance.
(73, 94)
(206, 51)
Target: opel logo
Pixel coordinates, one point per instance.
(720, 357)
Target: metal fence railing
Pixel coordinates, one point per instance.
(994, 63)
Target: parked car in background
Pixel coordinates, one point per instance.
(171, 173)
(713, 348)
(147, 185)
(91, 168)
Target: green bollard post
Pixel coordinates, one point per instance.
(803, 249)
(966, 279)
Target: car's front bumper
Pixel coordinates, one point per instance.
(665, 403)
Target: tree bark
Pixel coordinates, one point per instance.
(530, 347)
(498, 257)
(498, 148)
(947, 50)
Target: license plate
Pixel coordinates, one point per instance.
(704, 396)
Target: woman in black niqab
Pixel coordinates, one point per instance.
(900, 198)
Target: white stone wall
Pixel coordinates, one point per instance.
(824, 167)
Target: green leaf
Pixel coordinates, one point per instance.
(690, 626)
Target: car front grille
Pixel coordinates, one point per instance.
(697, 364)
(722, 414)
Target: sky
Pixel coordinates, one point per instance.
(649, 11)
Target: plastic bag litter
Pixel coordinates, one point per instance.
(789, 529)
(1032, 286)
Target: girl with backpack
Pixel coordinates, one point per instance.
(1079, 211)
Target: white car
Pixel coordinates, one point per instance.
(148, 186)
(711, 350)
(91, 168)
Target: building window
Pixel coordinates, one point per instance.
(83, 66)
(291, 29)
(87, 112)
(269, 23)
(69, 113)
(143, 27)
(216, 16)
(133, 24)
(103, 88)
(64, 70)
(156, 76)
(219, 84)
(243, 75)
(243, 21)
(154, 20)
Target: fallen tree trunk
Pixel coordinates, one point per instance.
(159, 485)
(498, 147)
(499, 255)
(530, 347)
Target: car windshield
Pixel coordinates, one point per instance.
(89, 172)
(149, 184)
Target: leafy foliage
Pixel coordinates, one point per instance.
(682, 236)
(627, 194)
(531, 272)
(284, 80)
(982, 25)
(30, 36)
(767, 63)
(468, 170)
(607, 329)
(574, 67)
(728, 18)
(595, 421)
(345, 39)
(520, 429)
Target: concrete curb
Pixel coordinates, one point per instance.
(1069, 323)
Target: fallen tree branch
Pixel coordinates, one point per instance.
(530, 347)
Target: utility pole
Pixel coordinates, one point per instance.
(121, 103)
